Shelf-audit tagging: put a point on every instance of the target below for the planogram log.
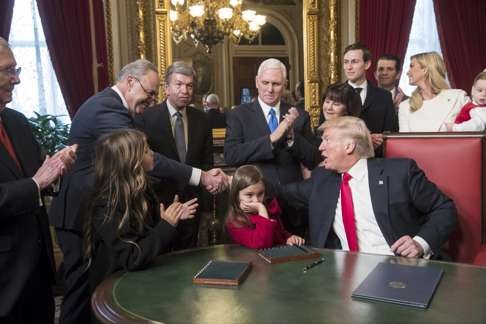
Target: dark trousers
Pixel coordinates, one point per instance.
(76, 303)
(36, 302)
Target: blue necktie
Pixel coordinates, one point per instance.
(272, 122)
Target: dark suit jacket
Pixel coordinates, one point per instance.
(248, 142)
(216, 118)
(404, 201)
(110, 253)
(24, 231)
(155, 122)
(378, 110)
(101, 114)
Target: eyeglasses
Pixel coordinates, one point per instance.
(151, 94)
(12, 71)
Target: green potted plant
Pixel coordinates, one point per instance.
(51, 133)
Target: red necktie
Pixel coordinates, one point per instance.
(347, 210)
(7, 144)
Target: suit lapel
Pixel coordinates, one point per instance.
(167, 127)
(380, 191)
(259, 118)
(370, 92)
(4, 155)
(327, 194)
(191, 133)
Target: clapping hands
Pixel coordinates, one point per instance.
(178, 211)
(285, 126)
(55, 166)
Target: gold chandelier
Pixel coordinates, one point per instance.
(207, 22)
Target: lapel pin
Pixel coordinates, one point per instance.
(380, 182)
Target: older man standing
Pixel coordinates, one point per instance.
(182, 133)
(255, 134)
(26, 259)
(372, 205)
(113, 108)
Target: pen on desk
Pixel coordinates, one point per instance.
(313, 264)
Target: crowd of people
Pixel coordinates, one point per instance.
(137, 173)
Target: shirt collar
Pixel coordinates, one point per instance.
(172, 110)
(363, 85)
(118, 91)
(266, 108)
(359, 169)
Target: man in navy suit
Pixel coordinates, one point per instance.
(26, 258)
(378, 111)
(160, 125)
(267, 133)
(111, 109)
(393, 207)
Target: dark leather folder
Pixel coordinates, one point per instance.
(400, 284)
(222, 273)
(284, 253)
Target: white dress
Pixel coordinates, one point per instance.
(431, 117)
(477, 122)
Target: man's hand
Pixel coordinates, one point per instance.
(214, 180)
(55, 166)
(295, 240)
(407, 247)
(377, 140)
(285, 125)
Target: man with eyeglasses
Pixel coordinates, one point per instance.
(113, 108)
(26, 257)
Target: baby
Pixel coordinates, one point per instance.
(472, 116)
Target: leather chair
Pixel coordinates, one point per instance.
(455, 162)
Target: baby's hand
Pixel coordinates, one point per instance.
(295, 240)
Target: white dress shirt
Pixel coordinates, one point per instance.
(370, 238)
(266, 110)
(173, 117)
(195, 178)
(364, 89)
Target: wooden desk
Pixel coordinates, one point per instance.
(281, 293)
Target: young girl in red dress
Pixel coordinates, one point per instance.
(254, 220)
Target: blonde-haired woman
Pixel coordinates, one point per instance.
(432, 103)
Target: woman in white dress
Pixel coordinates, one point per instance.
(432, 103)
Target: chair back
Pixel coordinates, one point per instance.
(455, 162)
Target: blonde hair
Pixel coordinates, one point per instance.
(355, 129)
(435, 76)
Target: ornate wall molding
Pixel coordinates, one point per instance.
(109, 40)
(141, 28)
(311, 58)
(163, 50)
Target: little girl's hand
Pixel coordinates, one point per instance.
(255, 208)
(295, 240)
(172, 214)
(189, 209)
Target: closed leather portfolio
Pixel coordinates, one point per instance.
(284, 253)
(400, 284)
(222, 273)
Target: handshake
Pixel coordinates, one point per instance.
(215, 181)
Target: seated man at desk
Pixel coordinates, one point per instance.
(371, 205)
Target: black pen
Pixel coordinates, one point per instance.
(313, 264)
